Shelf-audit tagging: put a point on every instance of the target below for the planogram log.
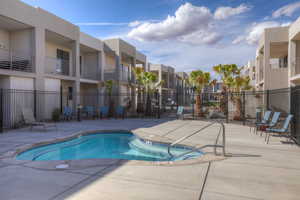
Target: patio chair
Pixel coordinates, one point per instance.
(89, 111)
(67, 113)
(180, 112)
(272, 123)
(31, 121)
(264, 121)
(283, 130)
(103, 111)
(120, 111)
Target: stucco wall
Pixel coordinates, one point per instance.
(21, 83)
(110, 62)
(4, 40)
(90, 41)
(52, 85)
(294, 29)
(21, 42)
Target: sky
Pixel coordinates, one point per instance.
(187, 35)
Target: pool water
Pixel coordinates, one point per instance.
(106, 146)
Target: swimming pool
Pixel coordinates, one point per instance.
(125, 146)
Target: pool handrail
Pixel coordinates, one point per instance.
(222, 127)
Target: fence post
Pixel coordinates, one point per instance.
(61, 99)
(34, 103)
(1, 110)
(193, 104)
(244, 107)
(268, 99)
(158, 105)
(227, 106)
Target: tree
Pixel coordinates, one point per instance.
(199, 79)
(109, 88)
(234, 83)
(139, 72)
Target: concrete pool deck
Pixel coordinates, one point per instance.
(251, 169)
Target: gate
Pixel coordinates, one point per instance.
(295, 110)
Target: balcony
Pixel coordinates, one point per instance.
(89, 63)
(125, 74)
(57, 66)
(15, 61)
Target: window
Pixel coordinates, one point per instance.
(70, 93)
(64, 58)
(283, 62)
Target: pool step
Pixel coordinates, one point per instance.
(148, 148)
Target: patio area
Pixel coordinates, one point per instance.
(250, 170)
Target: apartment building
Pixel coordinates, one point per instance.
(249, 70)
(119, 67)
(272, 59)
(294, 53)
(167, 75)
(42, 52)
(183, 89)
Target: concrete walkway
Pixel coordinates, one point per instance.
(251, 170)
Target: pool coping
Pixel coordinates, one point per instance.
(10, 157)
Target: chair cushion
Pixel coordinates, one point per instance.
(276, 130)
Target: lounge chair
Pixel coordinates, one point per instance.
(283, 130)
(89, 111)
(264, 121)
(103, 111)
(67, 113)
(180, 112)
(31, 121)
(120, 111)
(272, 123)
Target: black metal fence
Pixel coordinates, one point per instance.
(239, 107)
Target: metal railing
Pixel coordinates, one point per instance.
(96, 75)
(57, 66)
(215, 146)
(16, 61)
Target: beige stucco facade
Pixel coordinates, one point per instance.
(122, 58)
(294, 53)
(54, 55)
(272, 59)
(168, 76)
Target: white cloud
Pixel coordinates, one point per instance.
(287, 10)
(238, 40)
(256, 30)
(225, 12)
(188, 19)
(190, 24)
(134, 23)
(201, 37)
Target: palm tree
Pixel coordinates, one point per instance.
(138, 72)
(232, 82)
(109, 88)
(239, 84)
(225, 72)
(199, 79)
(150, 82)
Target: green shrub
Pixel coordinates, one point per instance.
(56, 114)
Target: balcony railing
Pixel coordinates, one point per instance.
(121, 75)
(92, 76)
(57, 66)
(16, 61)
